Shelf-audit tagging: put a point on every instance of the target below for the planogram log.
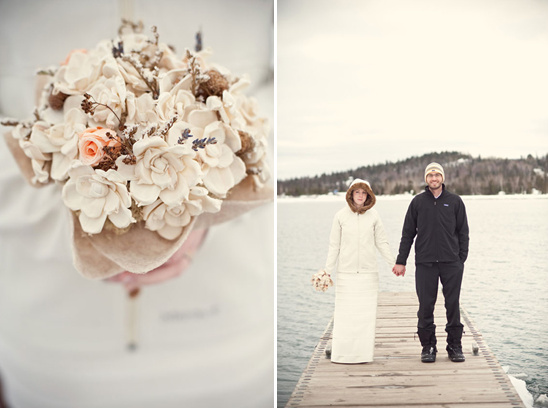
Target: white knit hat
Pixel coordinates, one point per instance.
(434, 168)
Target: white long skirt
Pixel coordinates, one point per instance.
(355, 317)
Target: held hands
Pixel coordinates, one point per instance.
(399, 270)
(174, 266)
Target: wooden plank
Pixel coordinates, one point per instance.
(397, 378)
(468, 405)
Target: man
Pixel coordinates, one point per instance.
(438, 219)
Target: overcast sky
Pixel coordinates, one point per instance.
(365, 81)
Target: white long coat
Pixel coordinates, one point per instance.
(353, 240)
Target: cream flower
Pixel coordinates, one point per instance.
(141, 110)
(21, 131)
(169, 221)
(98, 195)
(60, 139)
(178, 101)
(111, 92)
(47, 138)
(79, 74)
(228, 109)
(169, 59)
(163, 171)
(70, 54)
(40, 161)
(140, 44)
(51, 139)
(133, 79)
(175, 78)
(137, 42)
(222, 168)
(240, 112)
(250, 111)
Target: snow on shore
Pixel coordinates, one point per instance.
(408, 197)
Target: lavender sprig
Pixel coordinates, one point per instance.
(185, 134)
(202, 143)
(118, 51)
(198, 47)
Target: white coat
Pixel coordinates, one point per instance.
(353, 240)
(355, 234)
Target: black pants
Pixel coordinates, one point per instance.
(427, 276)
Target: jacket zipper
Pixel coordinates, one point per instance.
(358, 244)
(436, 230)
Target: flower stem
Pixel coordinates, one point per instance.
(131, 323)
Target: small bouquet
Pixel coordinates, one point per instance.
(321, 280)
(146, 145)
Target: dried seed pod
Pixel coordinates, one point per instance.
(214, 86)
(247, 142)
(57, 99)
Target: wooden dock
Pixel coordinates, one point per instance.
(397, 377)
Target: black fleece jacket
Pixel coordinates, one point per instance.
(441, 228)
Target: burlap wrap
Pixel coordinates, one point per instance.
(140, 250)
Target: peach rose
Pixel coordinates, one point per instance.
(91, 143)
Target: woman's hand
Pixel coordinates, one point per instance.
(399, 270)
(174, 266)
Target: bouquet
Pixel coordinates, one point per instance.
(146, 145)
(321, 280)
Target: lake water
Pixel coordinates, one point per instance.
(505, 286)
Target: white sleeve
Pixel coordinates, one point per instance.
(334, 245)
(382, 244)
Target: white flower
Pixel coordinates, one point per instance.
(111, 92)
(176, 78)
(169, 59)
(97, 195)
(163, 171)
(141, 110)
(256, 162)
(169, 221)
(137, 42)
(226, 107)
(21, 131)
(240, 112)
(133, 79)
(41, 162)
(222, 168)
(60, 139)
(178, 101)
(250, 111)
(79, 74)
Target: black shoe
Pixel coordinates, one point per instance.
(428, 354)
(455, 354)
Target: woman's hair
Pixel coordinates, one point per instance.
(371, 199)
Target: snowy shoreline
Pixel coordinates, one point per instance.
(341, 196)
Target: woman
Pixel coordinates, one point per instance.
(357, 230)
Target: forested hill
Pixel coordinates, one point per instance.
(465, 175)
